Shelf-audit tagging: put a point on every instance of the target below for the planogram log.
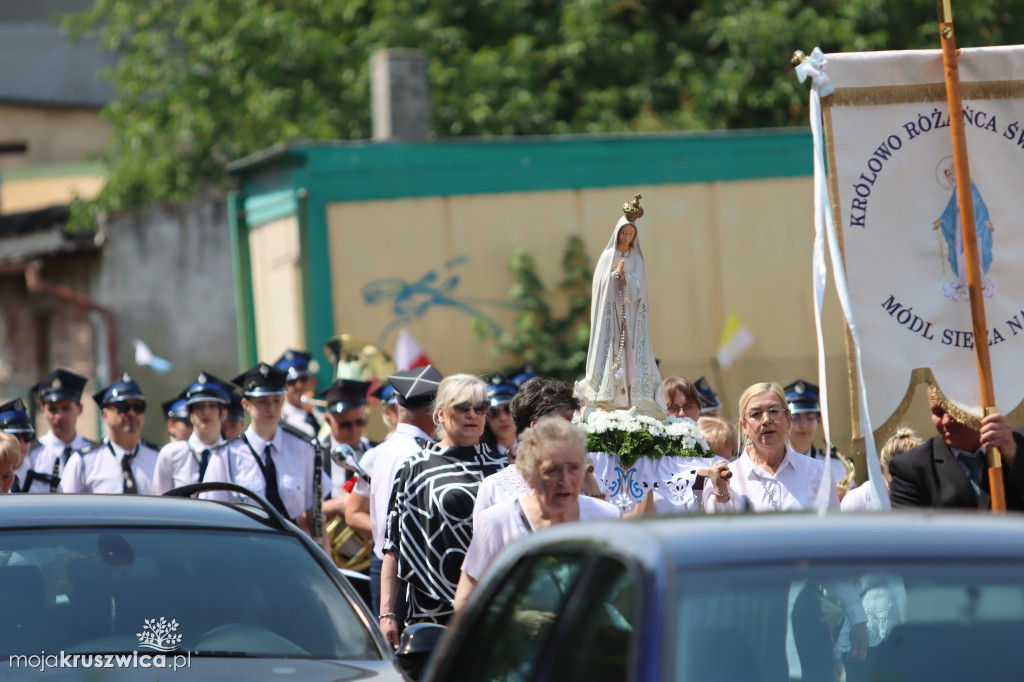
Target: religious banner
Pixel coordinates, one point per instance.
(893, 197)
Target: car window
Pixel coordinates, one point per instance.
(922, 621)
(599, 639)
(508, 637)
(88, 591)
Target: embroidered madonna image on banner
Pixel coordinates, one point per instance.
(893, 193)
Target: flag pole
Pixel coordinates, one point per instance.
(966, 202)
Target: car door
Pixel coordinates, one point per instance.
(554, 616)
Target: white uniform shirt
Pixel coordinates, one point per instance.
(50, 451)
(793, 487)
(297, 417)
(234, 462)
(386, 460)
(97, 469)
(21, 474)
(178, 463)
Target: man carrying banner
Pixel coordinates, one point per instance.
(949, 469)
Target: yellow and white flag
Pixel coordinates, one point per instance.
(893, 196)
(736, 340)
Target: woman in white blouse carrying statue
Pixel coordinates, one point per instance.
(621, 371)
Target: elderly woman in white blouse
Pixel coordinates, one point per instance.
(552, 456)
(768, 475)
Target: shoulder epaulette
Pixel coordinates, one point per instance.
(293, 431)
(91, 447)
(149, 445)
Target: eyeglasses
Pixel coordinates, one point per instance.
(25, 437)
(480, 408)
(350, 423)
(125, 408)
(675, 410)
(774, 414)
(500, 409)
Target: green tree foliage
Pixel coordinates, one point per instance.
(204, 82)
(555, 345)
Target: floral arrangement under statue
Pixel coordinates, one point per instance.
(636, 448)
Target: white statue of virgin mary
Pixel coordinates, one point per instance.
(621, 372)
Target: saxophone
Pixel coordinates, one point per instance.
(844, 485)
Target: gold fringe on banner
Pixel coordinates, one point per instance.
(930, 92)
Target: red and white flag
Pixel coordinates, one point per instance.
(409, 353)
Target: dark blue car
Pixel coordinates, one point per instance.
(749, 597)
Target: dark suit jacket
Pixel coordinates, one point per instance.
(930, 476)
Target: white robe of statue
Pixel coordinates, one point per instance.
(628, 377)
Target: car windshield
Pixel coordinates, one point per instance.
(920, 621)
(162, 590)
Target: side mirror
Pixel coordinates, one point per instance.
(418, 642)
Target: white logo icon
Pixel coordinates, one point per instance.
(159, 635)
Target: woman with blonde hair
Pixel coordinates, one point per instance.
(768, 475)
(430, 519)
(862, 498)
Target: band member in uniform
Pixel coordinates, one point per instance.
(367, 508)
(299, 382)
(60, 400)
(122, 462)
(500, 431)
(806, 413)
(179, 428)
(385, 393)
(15, 422)
(234, 421)
(346, 417)
(270, 458)
(184, 462)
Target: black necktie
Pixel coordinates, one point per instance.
(270, 476)
(15, 487)
(55, 474)
(126, 473)
(67, 453)
(311, 420)
(204, 461)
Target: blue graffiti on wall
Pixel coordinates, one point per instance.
(411, 300)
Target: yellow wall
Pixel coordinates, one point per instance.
(276, 287)
(710, 249)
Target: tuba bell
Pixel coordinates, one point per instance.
(844, 485)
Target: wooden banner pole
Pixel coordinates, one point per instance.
(970, 241)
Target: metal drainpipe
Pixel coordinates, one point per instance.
(36, 284)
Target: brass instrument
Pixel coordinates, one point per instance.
(851, 471)
(354, 359)
(349, 548)
(357, 359)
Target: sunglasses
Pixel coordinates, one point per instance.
(480, 408)
(25, 437)
(125, 408)
(348, 424)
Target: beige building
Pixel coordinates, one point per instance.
(367, 239)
